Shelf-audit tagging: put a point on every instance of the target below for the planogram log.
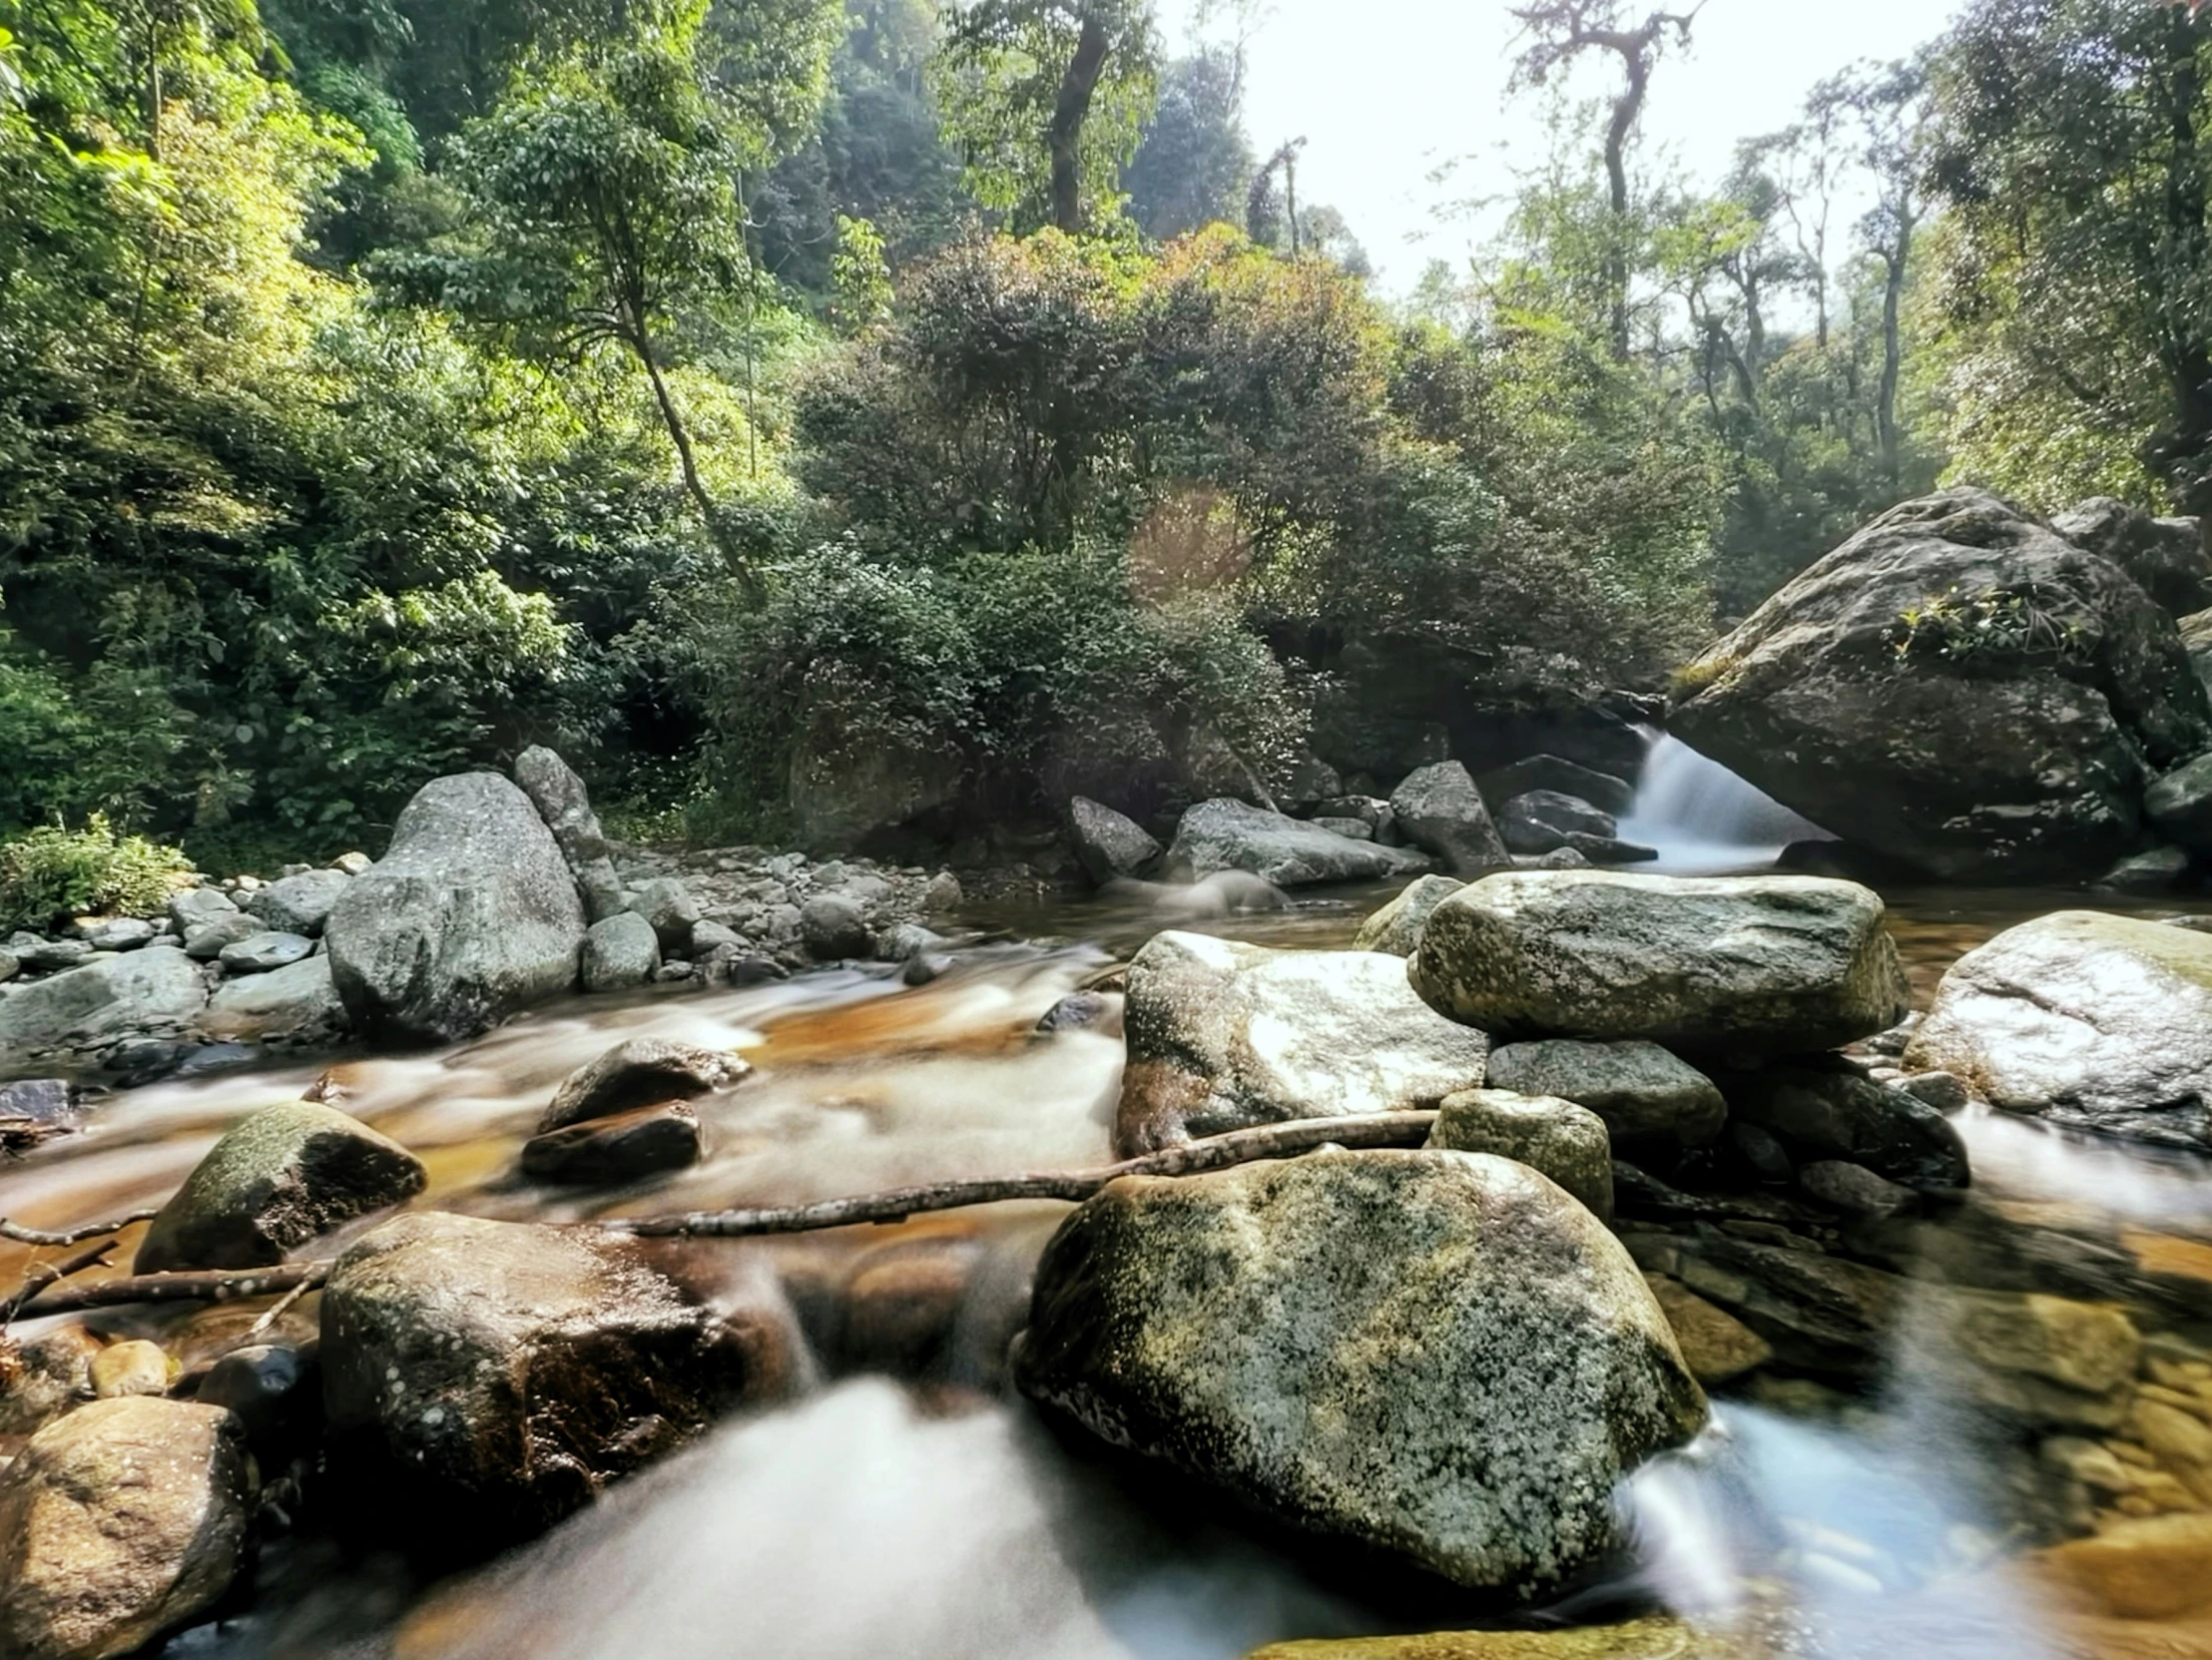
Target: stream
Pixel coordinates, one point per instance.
(908, 1508)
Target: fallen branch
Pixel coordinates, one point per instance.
(71, 1235)
(1269, 1141)
(42, 1275)
(209, 1286)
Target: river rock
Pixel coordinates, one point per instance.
(155, 990)
(641, 1072)
(133, 1366)
(626, 1147)
(667, 904)
(258, 953)
(2147, 1568)
(1439, 809)
(52, 1374)
(2180, 804)
(1824, 1109)
(298, 1004)
(1223, 1037)
(484, 1379)
(1852, 1188)
(115, 934)
(1554, 1138)
(1960, 689)
(1562, 777)
(1228, 835)
(2160, 870)
(1716, 1346)
(2093, 1021)
(1820, 1313)
(210, 939)
(1108, 844)
(1437, 1353)
(1395, 930)
(620, 951)
(469, 917)
(2167, 557)
(298, 904)
(192, 908)
(117, 1523)
(835, 928)
(563, 803)
(1742, 965)
(276, 1179)
(1543, 820)
(1640, 1090)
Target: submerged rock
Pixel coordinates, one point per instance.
(1437, 1353)
(469, 917)
(1395, 930)
(1228, 835)
(1109, 843)
(2093, 1021)
(485, 1378)
(1957, 687)
(1747, 965)
(276, 1180)
(1223, 1037)
(1641, 1090)
(1826, 1110)
(640, 1072)
(1554, 1138)
(1439, 809)
(119, 1522)
(1718, 1347)
(627, 1147)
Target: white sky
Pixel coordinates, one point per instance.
(1387, 91)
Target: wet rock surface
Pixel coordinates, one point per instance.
(1289, 853)
(1640, 1090)
(624, 1147)
(641, 1072)
(1823, 1109)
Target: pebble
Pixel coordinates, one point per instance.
(133, 1367)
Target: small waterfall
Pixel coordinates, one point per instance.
(1702, 817)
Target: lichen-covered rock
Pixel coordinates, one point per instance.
(1554, 1138)
(261, 953)
(1960, 689)
(276, 1179)
(1109, 843)
(2167, 557)
(470, 916)
(1643, 1092)
(1741, 965)
(1441, 1355)
(565, 806)
(620, 953)
(1228, 835)
(2093, 1021)
(667, 905)
(484, 1379)
(1223, 1037)
(1439, 809)
(1395, 930)
(640, 1072)
(117, 1523)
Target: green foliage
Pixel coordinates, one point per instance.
(51, 875)
(1193, 164)
(859, 277)
(1991, 630)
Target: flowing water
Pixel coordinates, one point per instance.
(908, 1509)
(1703, 818)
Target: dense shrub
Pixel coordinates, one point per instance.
(53, 873)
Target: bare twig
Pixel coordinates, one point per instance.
(213, 1286)
(71, 1235)
(42, 1275)
(1271, 1141)
(276, 1311)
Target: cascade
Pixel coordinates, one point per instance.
(1704, 817)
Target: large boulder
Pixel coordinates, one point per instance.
(565, 806)
(298, 904)
(155, 990)
(1223, 1037)
(1396, 928)
(117, 1523)
(1439, 809)
(2167, 557)
(1437, 1353)
(1643, 1092)
(1229, 835)
(296, 1004)
(1108, 844)
(1739, 965)
(484, 1379)
(470, 916)
(2093, 1021)
(276, 1179)
(1543, 820)
(1960, 689)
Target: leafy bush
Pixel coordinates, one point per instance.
(53, 873)
(1994, 629)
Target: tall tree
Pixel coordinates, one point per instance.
(1559, 33)
(1195, 162)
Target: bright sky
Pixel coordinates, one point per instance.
(1387, 91)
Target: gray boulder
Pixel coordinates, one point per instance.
(1108, 844)
(207, 940)
(116, 934)
(278, 1177)
(469, 917)
(1739, 965)
(565, 806)
(2093, 1021)
(1641, 1091)
(667, 905)
(1228, 835)
(620, 951)
(121, 1520)
(482, 1379)
(642, 1072)
(155, 990)
(1560, 776)
(835, 928)
(1437, 1353)
(2160, 870)
(191, 908)
(298, 904)
(2167, 557)
(1544, 821)
(1439, 809)
(258, 953)
(1959, 689)
(298, 1004)
(1825, 1110)
(1397, 928)
(1554, 1138)
(2180, 804)
(1223, 1037)
(1356, 829)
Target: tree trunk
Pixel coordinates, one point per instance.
(2188, 354)
(1070, 113)
(1627, 108)
(641, 341)
(1892, 349)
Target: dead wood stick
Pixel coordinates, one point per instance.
(1269, 1141)
(210, 1285)
(70, 1235)
(42, 1275)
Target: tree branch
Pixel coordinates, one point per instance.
(212, 1286)
(71, 1235)
(43, 1275)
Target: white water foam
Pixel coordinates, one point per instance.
(1704, 819)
